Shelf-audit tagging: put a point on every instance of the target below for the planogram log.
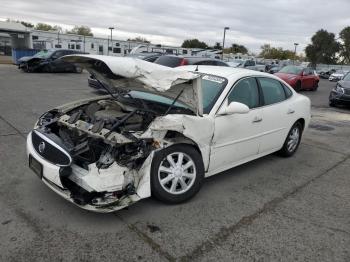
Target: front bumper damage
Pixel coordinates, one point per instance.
(107, 188)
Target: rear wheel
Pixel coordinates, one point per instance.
(177, 173)
(331, 103)
(292, 141)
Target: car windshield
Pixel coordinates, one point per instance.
(44, 54)
(347, 77)
(294, 70)
(212, 87)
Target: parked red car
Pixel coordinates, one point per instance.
(300, 78)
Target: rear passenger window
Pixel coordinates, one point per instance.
(245, 92)
(272, 91)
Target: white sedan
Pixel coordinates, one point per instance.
(161, 131)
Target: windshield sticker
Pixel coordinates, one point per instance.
(214, 79)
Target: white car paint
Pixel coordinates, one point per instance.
(224, 141)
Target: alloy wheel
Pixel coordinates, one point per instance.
(177, 173)
(293, 139)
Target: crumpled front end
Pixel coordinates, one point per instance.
(82, 155)
(97, 153)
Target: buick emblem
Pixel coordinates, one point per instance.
(41, 147)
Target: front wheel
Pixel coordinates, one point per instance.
(292, 141)
(177, 173)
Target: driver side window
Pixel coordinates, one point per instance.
(245, 92)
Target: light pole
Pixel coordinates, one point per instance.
(111, 28)
(295, 50)
(223, 41)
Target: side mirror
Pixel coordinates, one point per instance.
(234, 108)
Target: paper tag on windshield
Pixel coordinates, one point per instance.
(214, 79)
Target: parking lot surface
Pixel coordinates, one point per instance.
(271, 209)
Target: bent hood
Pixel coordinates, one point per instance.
(25, 58)
(127, 74)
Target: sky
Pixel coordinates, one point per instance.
(252, 23)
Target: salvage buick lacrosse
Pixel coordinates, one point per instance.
(161, 131)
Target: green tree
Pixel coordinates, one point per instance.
(194, 43)
(80, 30)
(236, 48)
(26, 24)
(44, 27)
(139, 39)
(344, 35)
(217, 46)
(323, 48)
(269, 52)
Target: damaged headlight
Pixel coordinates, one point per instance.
(46, 118)
(339, 89)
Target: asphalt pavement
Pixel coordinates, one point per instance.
(271, 209)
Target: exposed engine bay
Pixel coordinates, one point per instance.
(101, 136)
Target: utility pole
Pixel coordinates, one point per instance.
(111, 28)
(223, 41)
(295, 50)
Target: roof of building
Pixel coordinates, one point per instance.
(13, 27)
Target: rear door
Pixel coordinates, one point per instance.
(277, 114)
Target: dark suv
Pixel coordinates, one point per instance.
(48, 61)
(175, 61)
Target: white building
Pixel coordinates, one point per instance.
(26, 38)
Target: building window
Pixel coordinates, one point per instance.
(77, 46)
(109, 48)
(35, 37)
(100, 48)
(71, 46)
(117, 44)
(58, 46)
(92, 45)
(184, 52)
(117, 50)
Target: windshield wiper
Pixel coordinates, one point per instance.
(173, 103)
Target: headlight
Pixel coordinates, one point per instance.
(339, 89)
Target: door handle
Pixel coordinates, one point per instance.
(257, 119)
(290, 111)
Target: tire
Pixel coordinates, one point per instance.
(315, 87)
(298, 86)
(332, 104)
(292, 141)
(78, 70)
(178, 186)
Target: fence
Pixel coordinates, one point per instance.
(336, 67)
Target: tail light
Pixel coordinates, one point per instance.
(183, 62)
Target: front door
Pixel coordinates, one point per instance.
(307, 79)
(236, 136)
